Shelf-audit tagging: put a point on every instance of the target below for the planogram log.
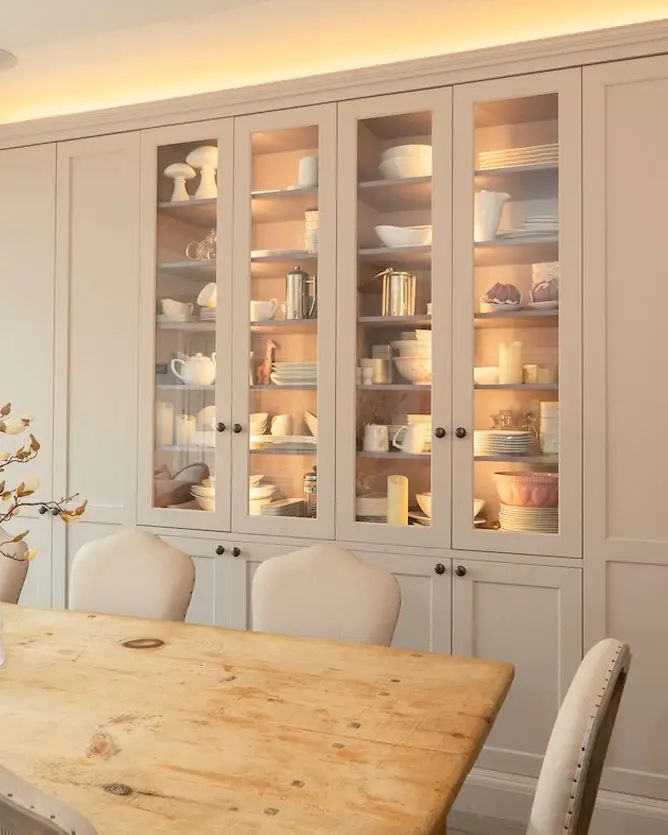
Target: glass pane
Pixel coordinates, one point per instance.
(283, 372)
(393, 469)
(516, 315)
(185, 341)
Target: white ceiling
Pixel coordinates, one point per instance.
(77, 55)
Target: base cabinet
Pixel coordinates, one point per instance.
(529, 615)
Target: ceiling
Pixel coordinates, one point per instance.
(77, 55)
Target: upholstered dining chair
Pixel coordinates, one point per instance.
(569, 778)
(132, 572)
(25, 810)
(325, 592)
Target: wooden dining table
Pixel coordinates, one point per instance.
(156, 727)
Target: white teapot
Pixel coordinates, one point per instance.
(197, 370)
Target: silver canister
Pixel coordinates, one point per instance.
(311, 492)
(398, 292)
(300, 295)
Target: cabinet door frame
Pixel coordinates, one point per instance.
(569, 583)
(324, 117)
(568, 542)
(222, 131)
(439, 102)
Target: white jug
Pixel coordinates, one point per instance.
(487, 214)
(195, 371)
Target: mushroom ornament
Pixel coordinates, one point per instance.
(180, 172)
(205, 158)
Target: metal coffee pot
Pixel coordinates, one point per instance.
(398, 292)
(300, 295)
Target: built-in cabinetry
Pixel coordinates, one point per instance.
(626, 401)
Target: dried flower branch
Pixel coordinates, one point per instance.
(13, 499)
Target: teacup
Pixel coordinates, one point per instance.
(170, 307)
(260, 310)
(413, 438)
(281, 425)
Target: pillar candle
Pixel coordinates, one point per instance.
(164, 423)
(397, 500)
(510, 363)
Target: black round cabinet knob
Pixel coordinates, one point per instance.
(236, 428)
(439, 568)
(460, 432)
(236, 551)
(439, 432)
(460, 571)
(43, 509)
(220, 427)
(220, 550)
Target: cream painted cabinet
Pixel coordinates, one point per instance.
(394, 302)
(626, 401)
(516, 315)
(531, 616)
(27, 277)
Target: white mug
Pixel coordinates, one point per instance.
(413, 440)
(375, 438)
(281, 425)
(308, 171)
(171, 307)
(260, 310)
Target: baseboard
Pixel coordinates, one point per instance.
(507, 797)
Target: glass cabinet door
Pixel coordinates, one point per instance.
(284, 324)
(393, 325)
(186, 312)
(517, 315)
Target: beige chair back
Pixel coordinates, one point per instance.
(132, 573)
(25, 810)
(325, 592)
(568, 781)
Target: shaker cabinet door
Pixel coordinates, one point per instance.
(393, 325)
(283, 334)
(626, 402)
(516, 315)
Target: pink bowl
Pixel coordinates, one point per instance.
(528, 489)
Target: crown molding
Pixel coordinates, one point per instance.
(618, 43)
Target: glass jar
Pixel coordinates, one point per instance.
(311, 492)
(549, 427)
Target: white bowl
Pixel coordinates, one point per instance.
(394, 236)
(422, 152)
(486, 375)
(423, 333)
(311, 422)
(400, 168)
(254, 480)
(412, 347)
(261, 491)
(203, 492)
(255, 506)
(375, 506)
(205, 504)
(415, 369)
(424, 501)
(478, 505)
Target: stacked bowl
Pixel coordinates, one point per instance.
(403, 161)
(205, 494)
(414, 360)
(529, 501)
(259, 423)
(258, 494)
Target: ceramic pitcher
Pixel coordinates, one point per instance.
(487, 214)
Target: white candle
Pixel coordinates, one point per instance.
(164, 423)
(510, 363)
(397, 500)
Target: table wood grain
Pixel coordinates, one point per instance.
(219, 731)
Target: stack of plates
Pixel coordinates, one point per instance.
(284, 507)
(294, 373)
(535, 225)
(538, 519)
(511, 157)
(502, 442)
(208, 313)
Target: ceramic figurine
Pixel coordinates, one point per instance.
(205, 158)
(180, 172)
(263, 370)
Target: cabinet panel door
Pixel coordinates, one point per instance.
(27, 241)
(529, 615)
(37, 591)
(97, 284)
(626, 401)
(394, 303)
(517, 314)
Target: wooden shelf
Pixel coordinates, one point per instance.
(396, 387)
(183, 387)
(198, 270)
(518, 319)
(285, 326)
(272, 263)
(199, 448)
(518, 387)
(269, 450)
(395, 321)
(529, 250)
(286, 387)
(192, 326)
(513, 170)
(396, 456)
(396, 195)
(271, 205)
(197, 212)
(547, 460)
(418, 257)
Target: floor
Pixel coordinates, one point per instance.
(464, 823)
